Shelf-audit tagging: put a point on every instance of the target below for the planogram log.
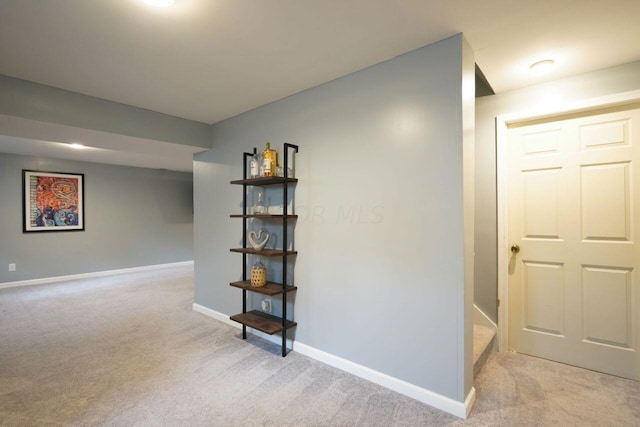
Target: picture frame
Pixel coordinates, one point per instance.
(52, 201)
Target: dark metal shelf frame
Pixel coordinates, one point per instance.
(256, 319)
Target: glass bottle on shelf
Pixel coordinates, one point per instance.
(254, 166)
(269, 161)
(258, 206)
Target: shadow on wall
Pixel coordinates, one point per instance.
(174, 210)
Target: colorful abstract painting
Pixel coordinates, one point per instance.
(53, 201)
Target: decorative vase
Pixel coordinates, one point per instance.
(254, 239)
(258, 274)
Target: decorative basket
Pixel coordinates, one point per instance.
(258, 276)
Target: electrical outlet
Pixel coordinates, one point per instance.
(12, 267)
(266, 305)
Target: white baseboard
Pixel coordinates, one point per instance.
(423, 395)
(480, 318)
(93, 274)
(420, 394)
(469, 402)
(215, 314)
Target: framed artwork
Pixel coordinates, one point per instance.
(52, 201)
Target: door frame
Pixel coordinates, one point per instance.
(502, 123)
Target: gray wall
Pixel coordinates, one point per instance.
(591, 85)
(34, 101)
(380, 198)
(133, 217)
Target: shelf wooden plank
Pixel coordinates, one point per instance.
(271, 288)
(264, 252)
(265, 216)
(262, 321)
(265, 180)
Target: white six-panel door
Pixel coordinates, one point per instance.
(574, 213)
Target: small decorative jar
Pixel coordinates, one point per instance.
(258, 274)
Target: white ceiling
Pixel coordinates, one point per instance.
(208, 60)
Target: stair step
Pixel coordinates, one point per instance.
(483, 341)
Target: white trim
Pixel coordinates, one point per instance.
(215, 314)
(503, 234)
(480, 318)
(423, 395)
(502, 123)
(94, 274)
(469, 402)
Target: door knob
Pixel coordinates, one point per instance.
(515, 249)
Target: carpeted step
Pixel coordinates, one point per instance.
(483, 345)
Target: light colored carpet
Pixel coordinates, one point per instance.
(483, 346)
(128, 350)
(482, 337)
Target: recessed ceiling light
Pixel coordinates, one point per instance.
(542, 67)
(159, 3)
(77, 146)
